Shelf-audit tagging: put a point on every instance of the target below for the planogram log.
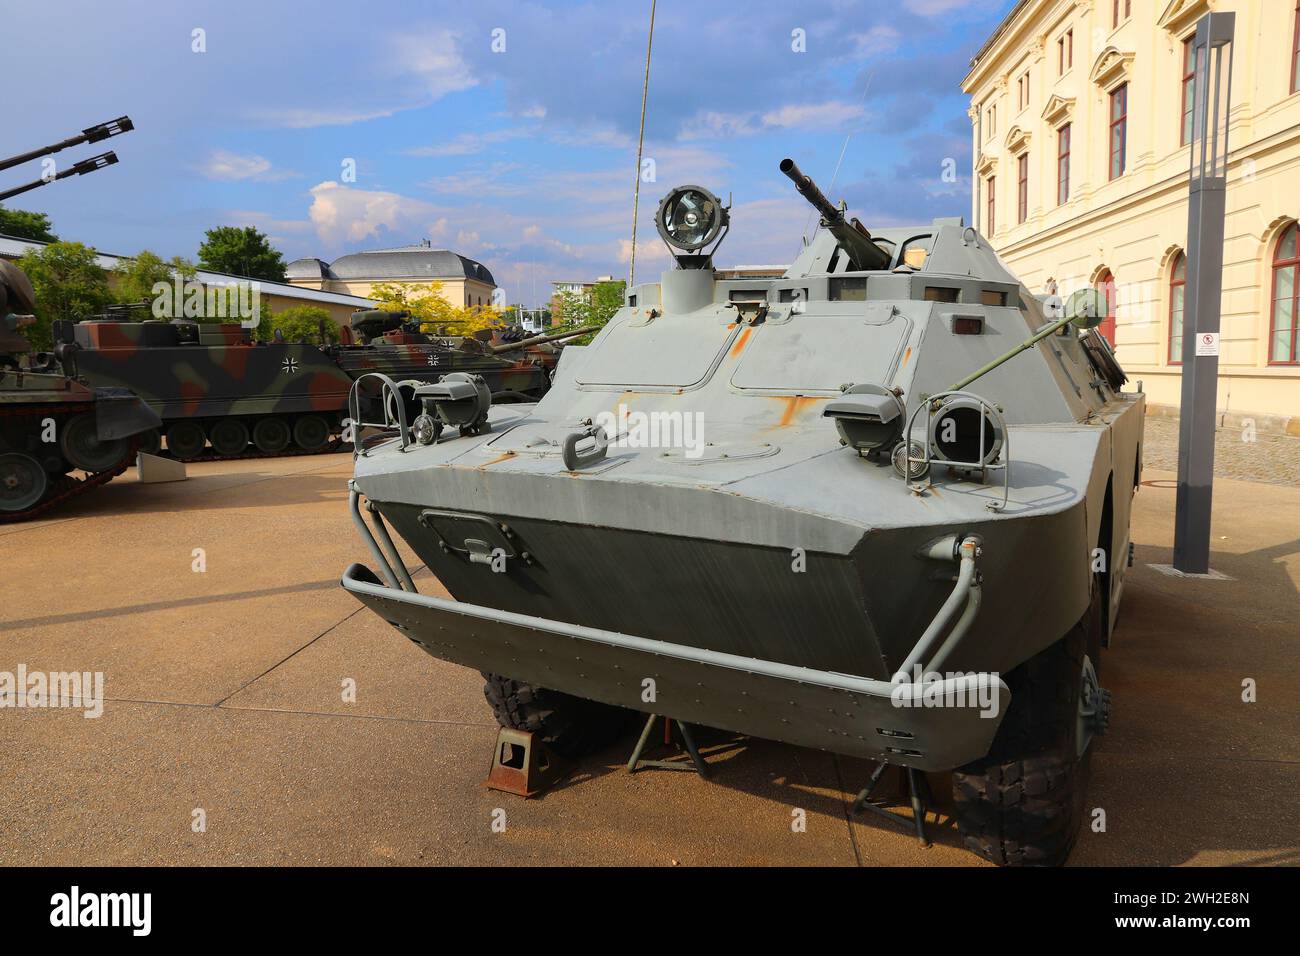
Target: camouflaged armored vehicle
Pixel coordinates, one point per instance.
(210, 383)
(51, 423)
(878, 506)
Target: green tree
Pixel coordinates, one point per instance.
(427, 306)
(26, 225)
(134, 279)
(242, 251)
(594, 308)
(68, 283)
(297, 323)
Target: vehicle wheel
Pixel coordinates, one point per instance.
(271, 435)
(151, 442)
(570, 726)
(23, 482)
(186, 441)
(1023, 804)
(229, 437)
(311, 432)
(79, 441)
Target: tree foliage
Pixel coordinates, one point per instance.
(134, 279)
(298, 323)
(26, 225)
(593, 308)
(434, 313)
(68, 283)
(242, 251)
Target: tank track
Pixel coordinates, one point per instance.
(333, 446)
(66, 488)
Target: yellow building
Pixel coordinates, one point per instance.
(1080, 114)
(462, 281)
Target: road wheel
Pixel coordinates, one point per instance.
(1023, 804)
(151, 442)
(570, 726)
(80, 443)
(271, 435)
(186, 441)
(311, 432)
(229, 437)
(23, 482)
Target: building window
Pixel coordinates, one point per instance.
(1118, 130)
(1283, 332)
(991, 223)
(1189, 91)
(1177, 286)
(991, 120)
(1022, 92)
(1065, 51)
(1063, 164)
(1121, 10)
(1105, 284)
(1295, 52)
(1022, 186)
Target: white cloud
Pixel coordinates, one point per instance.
(341, 213)
(232, 167)
(810, 116)
(434, 58)
(881, 38)
(466, 144)
(933, 8)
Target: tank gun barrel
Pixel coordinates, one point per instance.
(852, 236)
(92, 134)
(540, 339)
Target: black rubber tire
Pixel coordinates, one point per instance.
(1023, 804)
(229, 437)
(571, 726)
(23, 482)
(272, 435)
(81, 445)
(151, 442)
(185, 440)
(311, 432)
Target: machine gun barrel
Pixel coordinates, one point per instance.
(852, 236)
(91, 134)
(76, 169)
(539, 340)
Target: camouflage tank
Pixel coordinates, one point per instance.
(830, 508)
(51, 423)
(210, 383)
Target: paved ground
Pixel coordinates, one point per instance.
(225, 695)
(1238, 452)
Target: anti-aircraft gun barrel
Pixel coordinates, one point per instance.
(92, 134)
(540, 340)
(852, 236)
(76, 169)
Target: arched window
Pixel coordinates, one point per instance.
(1177, 286)
(1105, 284)
(1286, 309)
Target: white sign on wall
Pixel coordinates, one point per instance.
(1207, 343)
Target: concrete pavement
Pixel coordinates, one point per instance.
(225, 692)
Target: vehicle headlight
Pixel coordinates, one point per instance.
(964, 433)
(425, 429)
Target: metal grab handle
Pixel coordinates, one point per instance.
(574, 459)
(381, 559)
(388, 389)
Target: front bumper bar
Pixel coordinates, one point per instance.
(858, 716)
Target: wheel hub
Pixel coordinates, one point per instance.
(1094, 707)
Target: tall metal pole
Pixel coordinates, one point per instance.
(1212, 49)
(640, 141)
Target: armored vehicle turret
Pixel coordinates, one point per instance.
(878, 505)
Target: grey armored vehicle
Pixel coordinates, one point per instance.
(878, 506)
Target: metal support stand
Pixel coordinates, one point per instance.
(697, 763)
(920, 796)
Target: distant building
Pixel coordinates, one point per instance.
(277, 296)
(1081, 118)
(582, 289)
(463, 281)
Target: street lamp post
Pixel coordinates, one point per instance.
(1212, 59)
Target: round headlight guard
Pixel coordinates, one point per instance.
(690, 217)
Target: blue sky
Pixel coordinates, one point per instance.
(522, 157)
